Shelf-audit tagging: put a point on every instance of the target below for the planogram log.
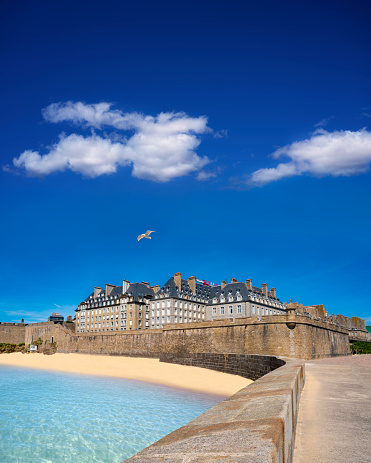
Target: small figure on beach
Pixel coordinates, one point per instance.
(145, 235)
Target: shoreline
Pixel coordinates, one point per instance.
(135, 368)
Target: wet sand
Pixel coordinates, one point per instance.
(142, 369)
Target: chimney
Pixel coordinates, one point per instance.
(273, 292)
(233, 280)
(145, 283)
(249, 284)
(192, 284)
(155, 288)
(97, 290)
(109, 289)
(223, 283)
(265, 289)
(178, 280)
(125, 286)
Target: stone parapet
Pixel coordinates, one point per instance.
(257, 424)
(248, 366)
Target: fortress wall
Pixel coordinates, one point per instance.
(43, 331)
(133, 344)
(256, 424)
(248, 366)
(12, 334)
(271, 335)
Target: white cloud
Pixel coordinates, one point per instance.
(339, 153)
(159, 148)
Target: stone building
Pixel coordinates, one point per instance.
(135, 306)
(187, 301)
(115, 308)
(179, 301)
(242, 299)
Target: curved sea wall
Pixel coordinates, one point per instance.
(257, 424)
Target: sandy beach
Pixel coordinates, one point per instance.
(142, 369)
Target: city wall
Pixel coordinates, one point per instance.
(297, 336)
(256, 424)
(12, 334)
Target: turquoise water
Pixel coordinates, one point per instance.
(48, 417)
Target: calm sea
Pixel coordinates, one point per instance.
(48, 417)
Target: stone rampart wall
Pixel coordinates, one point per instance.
(271, 335)
(248, 366)
(12, 334)
(257, 424)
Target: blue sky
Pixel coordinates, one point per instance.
(239, 132)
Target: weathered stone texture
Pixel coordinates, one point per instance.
(269, 336)
(248, 366)
(300, 336)
(12, 334)
(257, 424)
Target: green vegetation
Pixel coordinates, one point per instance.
(38, 342)
(7, 348)
(360, 347)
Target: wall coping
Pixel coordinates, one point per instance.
(262, 320)
(256, 424)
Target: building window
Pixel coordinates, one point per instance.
(230, 310)
(214, 310)
(239, 309)
(222, 310)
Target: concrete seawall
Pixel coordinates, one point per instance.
(257, 424)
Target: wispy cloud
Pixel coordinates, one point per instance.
(221, 133)
(323, 122)
(157, 148)
(338, 153)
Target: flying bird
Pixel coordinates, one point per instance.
(145, 235)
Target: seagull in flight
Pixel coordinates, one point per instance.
(145, 235)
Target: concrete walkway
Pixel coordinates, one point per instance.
(334, 421)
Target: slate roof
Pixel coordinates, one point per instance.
(209, 292)
(135, 290)
(171, 288)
